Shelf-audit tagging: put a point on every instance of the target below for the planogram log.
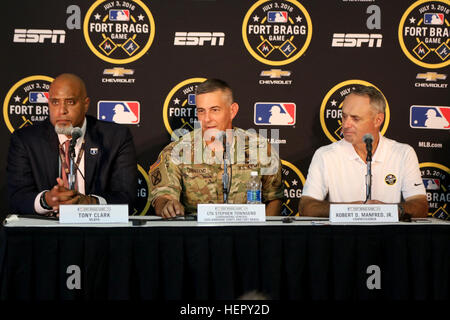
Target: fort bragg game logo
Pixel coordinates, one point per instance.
(119, 31)
(26, 102)
(293, 182)
(436, 179)
(179, 111)
(277, 32)
(424, 31)
(331, 109)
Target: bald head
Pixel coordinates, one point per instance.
(68, 102)
(71, 80)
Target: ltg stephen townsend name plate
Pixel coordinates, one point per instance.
(229, 213)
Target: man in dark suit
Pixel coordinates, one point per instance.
(37, 166)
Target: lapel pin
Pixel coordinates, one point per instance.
(93, 151)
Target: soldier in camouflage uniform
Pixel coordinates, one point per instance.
(189, 171)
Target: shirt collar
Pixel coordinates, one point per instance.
(63, 138)
(378, 156)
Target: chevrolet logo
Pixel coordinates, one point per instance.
(118, 71)
(275, 73)
(431, 76)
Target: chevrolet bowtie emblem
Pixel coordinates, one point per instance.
(275, 73)
(118, 71)
(431, 76)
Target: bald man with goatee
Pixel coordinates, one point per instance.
(105, 157)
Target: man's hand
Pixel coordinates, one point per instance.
(168, 208)
(61, 195)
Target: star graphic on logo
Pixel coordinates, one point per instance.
(255, 18)
(298, 19)
(294, 182)
(176, 101)
(141, 17)
(412, 20)
(16, 99)
(97, 16)
(333, 103)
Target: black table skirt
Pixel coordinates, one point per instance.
(221, 263)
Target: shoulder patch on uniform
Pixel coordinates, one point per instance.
(156, 164)
(156, 177)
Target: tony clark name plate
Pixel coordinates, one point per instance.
(86, 213)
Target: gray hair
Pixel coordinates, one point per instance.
(212, 85)
(377, 100)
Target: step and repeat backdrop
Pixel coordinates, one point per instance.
(142, 59)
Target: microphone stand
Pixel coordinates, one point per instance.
(369, 173)
(71, 177)
(225, 178)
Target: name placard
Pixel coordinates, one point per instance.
(361, 213)
(229, 213)
(86, 213)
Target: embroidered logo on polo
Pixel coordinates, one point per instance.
(179, 111)
(142, 203)
(293, 182)
(390, 179)
(119, 31)
(277, 32)
(331, 109)
(26, 102)
(436, 179)
(423, 33)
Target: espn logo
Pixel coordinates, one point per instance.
(352, 40)
(199, 38)
(39, 35)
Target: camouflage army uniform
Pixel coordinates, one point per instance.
(201, 182)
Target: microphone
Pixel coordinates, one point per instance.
(75, 133)
(368, 140)
(226, 179)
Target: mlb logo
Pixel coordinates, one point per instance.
(38, 97)
(432, 184)
(433, 18)
(119, 15)
(124, 112)
(191, 99)
(275, 113)
(277, 16)
(429, 117)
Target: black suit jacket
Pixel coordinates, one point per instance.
(33, 163)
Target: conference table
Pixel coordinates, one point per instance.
(285, 259)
